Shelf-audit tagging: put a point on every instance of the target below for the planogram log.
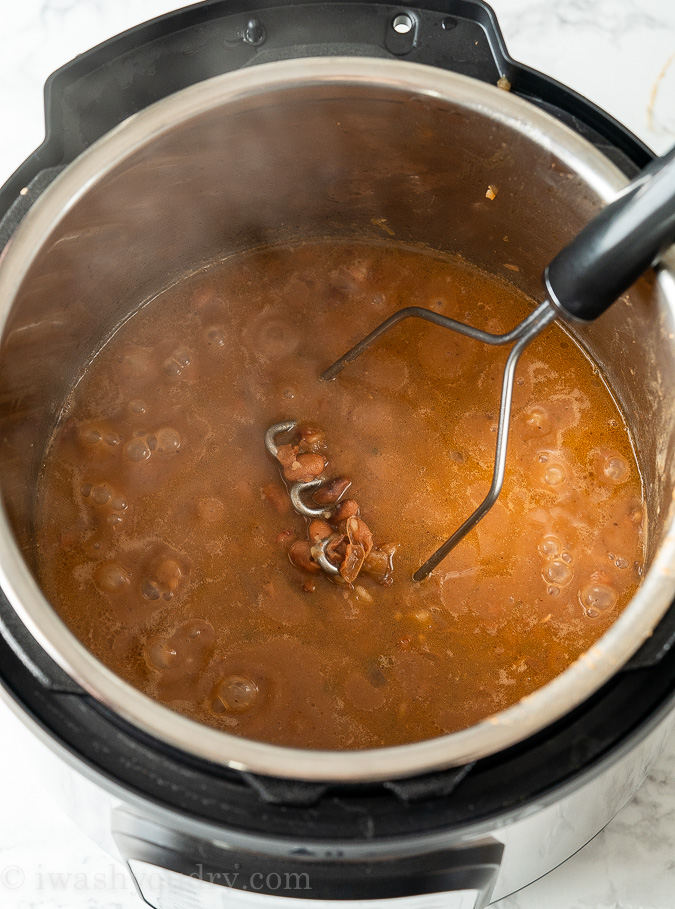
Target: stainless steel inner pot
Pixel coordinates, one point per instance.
(341, 147)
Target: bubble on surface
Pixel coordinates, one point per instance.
(537, 421)
(159, 653)
(235, 694)
(111, 577)
(550, 545)
(175, 364)
(137, 406)
(554, 475)
(90, 436)
(171, 368)
(137, 450)
(215, 336)
(558, 572)
(168, 439)
(616, 469)
(149, 589)
(168, 573)
(597, 597)
(101, 494)
(274, 338)
(637, 516)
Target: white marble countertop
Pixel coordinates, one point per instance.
(620, 54)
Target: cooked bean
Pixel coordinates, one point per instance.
(354, 556)
(362, 595)
(332, 491)
(284, 537)
(311, 439)
(335, 550)
(277, 496)
(359, 533)
(111, 577)
(304, 468)
(378, 565)
(319, 530)
(286, 455)
(346, 509)
(300, 556)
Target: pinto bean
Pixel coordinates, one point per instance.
(304, 468)
(354, 556)
(277, 497)
(319, 530)
(284, 537)
(335, 550)
(346, 509)
(311, 439)
(300, 556)
(332, 491)
(359, 533)
(286, 454)
(378, 564)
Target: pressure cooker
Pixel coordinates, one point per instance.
(228, 125)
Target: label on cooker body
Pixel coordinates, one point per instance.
(165, 889)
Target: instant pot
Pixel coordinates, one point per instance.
(228, 125)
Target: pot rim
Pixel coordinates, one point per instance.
(499, 731)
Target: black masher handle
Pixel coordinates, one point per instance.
(618, 245)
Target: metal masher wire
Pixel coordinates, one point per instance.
(520, 337)
(585, 278)
(297, 492)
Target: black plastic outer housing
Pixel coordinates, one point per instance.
(96, 91)
(85, 99)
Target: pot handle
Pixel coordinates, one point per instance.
(618, 245)
(173, 869)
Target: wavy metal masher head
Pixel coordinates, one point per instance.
(582, 281)
(296, 493)
(520, 337)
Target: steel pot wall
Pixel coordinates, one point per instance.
(302, 149)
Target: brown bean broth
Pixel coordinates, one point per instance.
(159, 549)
